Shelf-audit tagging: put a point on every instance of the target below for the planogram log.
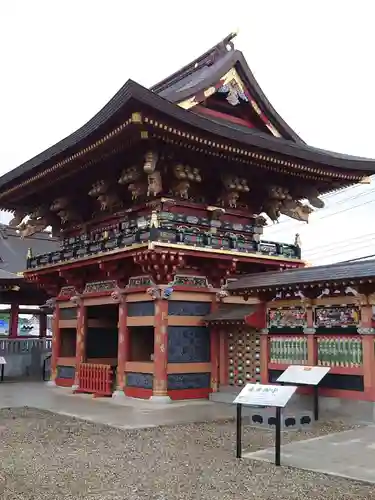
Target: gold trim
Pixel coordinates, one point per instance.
(176, 246)
(82, 259)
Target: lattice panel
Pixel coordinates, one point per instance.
(243, 357)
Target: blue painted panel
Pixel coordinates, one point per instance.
(141, 308)
(179, 381)
(68, 313)
(188, 344)
(186, 308)
(67, 372)
(140, 380)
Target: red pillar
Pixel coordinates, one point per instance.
(223, 356)
(81, 340)
(123, 348)
(368, 338)
(55, 343)
(160, 392)
(312, 351)
(13, 320)
(215, 358)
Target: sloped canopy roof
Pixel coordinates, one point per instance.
(162, 98)
(14, 248)
(297, 278)
(230, 313)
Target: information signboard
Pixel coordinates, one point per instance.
(265, 395)
(2, 361)
(303, 375)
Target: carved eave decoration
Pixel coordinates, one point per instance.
(158, 129)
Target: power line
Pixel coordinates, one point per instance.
(319, 249)
(348, 251)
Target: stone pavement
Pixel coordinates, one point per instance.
(131, 414)
(349, 454)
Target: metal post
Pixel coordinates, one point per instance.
(239, 431)
(2, 372)
(316, 403)
(278, 436)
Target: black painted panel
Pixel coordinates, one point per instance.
(187, 308)
(188, 344)
(179, 381)
(66, 372)
(141, 308)
(140, 380)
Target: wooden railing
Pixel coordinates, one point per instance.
(95, 379)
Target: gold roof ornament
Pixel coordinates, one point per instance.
(365, 180)
(297, 241)
(29, 253)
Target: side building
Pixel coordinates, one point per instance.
(169, 187)
(317, 316)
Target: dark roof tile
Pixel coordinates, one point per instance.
(328, 273)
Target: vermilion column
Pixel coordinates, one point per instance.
(215, 355)
(368, 337)
(309, 331)
(223, 356)
(261, 323)
(55, 343)
(123, 348)
(160, 392)
(13, 321)
(214, 350)
(81, 340)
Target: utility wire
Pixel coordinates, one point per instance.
(341, 244)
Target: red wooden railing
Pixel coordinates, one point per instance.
(95, 379)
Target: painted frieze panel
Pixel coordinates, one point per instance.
(286, 318)
(243, 357)
(188, 344)
(181, 381)
(190, 281)
(100, 286)
(344, 316)
(140, 281)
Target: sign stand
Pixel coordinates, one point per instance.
(255, 395)
(2, 363)
(278, 437)
(239, 431)
(301, 375)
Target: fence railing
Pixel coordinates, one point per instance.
(95, 379)
(23, 346)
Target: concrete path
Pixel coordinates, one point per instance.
(130, 414)
(348, 454)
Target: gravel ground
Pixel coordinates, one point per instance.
(49, 456)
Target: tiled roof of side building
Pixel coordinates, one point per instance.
(14, 248)
(295, 277)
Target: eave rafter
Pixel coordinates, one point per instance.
(152, 127)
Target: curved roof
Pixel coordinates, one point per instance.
(207, 70)
(162, 99)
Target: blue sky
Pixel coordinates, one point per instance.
(63, 60)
